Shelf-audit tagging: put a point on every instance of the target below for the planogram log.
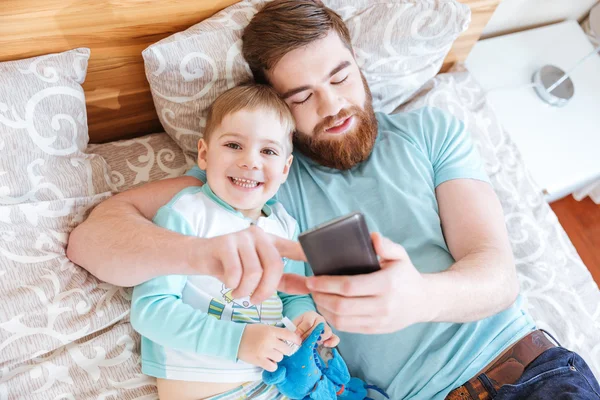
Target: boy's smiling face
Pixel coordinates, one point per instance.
(247, 158)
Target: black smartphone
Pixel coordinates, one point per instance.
(341, 246)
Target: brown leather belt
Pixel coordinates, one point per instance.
(505, 369)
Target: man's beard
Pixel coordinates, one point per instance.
(348, 149)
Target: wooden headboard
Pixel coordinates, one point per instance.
(117, 31)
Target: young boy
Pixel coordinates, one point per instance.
(197, 339)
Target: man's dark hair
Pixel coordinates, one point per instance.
(285, 25)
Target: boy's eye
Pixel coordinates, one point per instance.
(270, 152)
(233, 146)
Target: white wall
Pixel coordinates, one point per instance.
(516, 15)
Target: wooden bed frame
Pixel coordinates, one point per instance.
(117, 31)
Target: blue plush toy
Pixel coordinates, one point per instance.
(307, 375)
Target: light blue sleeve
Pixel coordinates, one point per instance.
(449, 147)
(197, 173)
(159, 314)
(295, 305)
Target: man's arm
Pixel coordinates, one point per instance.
(119, 244)
(483, 281)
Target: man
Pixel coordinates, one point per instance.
(443, 306)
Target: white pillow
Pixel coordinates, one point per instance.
(399, 44)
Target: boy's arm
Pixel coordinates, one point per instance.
(159, 314)
(295, 305)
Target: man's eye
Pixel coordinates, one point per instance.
(341, 81)
(233, 146)
(303, 101)
(269, 152)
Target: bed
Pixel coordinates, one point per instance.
(66, 335)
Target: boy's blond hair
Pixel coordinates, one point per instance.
(253, 97)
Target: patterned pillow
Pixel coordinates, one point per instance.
(52, 312)
(399, 44)
(149, 158)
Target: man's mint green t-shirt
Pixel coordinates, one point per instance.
(395, 190)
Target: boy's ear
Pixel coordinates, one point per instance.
(202, 153)
(286, 168)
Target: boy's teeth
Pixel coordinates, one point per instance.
(247, 183)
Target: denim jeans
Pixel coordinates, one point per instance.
(557, 374)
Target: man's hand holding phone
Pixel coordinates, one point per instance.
(353, 294)
(384, 301)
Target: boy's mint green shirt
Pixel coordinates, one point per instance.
(191, 327)
(395, 189)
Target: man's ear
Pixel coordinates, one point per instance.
(202, 154)
(286, 168)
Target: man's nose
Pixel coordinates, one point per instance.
(330, 104)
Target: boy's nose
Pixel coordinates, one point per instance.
(249, 161)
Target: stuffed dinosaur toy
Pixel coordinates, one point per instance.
(312, 375)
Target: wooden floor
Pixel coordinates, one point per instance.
(581, 220)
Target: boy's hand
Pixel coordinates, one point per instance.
(306, 322)
(263, 346)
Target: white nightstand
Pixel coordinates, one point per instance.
(560, 146)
